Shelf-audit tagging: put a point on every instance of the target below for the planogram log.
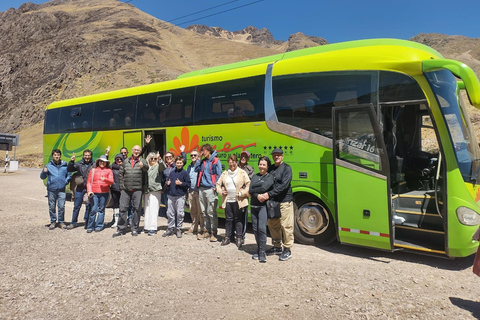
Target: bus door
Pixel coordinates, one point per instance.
(158, 142)
(131, 138)
(362, 193)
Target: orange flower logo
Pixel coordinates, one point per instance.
(185, 140)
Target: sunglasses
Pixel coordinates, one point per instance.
(193, 155)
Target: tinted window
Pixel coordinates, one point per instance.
(306, 100)
(398, 87)
(115, 114)
(162, 109)
(76, 118)
(238, 100)
(51, 121)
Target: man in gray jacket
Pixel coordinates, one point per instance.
(131, 179)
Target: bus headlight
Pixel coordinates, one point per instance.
(467, 216)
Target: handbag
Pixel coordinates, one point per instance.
(109, 203)
(86, 198)
(273, 209)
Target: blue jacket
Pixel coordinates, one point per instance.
(210, 172)
(193, 176)
(58, 176)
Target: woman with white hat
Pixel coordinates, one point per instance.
(99, 181)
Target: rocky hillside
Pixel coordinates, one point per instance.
(262, 37)
(65, 48)
(459, 48)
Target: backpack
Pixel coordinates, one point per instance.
(214, 176)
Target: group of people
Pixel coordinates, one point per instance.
(157, 180)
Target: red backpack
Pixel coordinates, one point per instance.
(214, 176)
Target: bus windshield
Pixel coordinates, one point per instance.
(465, 144)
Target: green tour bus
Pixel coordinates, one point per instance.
(376, 132)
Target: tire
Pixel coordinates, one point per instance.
(313, 223)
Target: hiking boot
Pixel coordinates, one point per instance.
(262, 257)
(225, 241)
(239, 242)
(70, 227)
(274, 250)
(63, 226)
(213, 237)
(52, 226)
(179, 233)
(89, 230)
(286, 254)
(134, 233)
(118, 234)
(167, 233)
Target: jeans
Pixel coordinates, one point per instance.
(208, 202)
(56, 198)
(127, 198)
(99, 201)
(77, 205)
(259, 224)
(175, 212)
(233, 218)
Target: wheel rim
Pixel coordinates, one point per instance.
(312, 218)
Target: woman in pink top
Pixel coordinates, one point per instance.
(99, 181)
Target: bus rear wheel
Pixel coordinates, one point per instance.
(313, 224)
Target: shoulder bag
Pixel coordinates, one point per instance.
(273, 209)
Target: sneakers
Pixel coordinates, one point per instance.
(179, 233)
(52, 226)
(189, 231)
(89, 230)
(225, 241)
(152, 233)
(167, 233)
(70, 227)
(274, 250)
(118, 234)
(204, 235)
(213, 238)
(286, 254)
(255, 256)
(63, 226)
(134, 233)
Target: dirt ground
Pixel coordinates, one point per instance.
(63, 274)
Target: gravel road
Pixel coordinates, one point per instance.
(64, 274)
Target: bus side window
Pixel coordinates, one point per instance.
(238, 100)
(51, 121)
(113, 114)
(76, 118)
(306, 100)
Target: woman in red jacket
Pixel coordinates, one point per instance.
(99, 181)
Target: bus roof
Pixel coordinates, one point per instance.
(244, 69)
(315, 50)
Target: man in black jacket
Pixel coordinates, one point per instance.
(281, 229)
(131, 178)
(82, 168)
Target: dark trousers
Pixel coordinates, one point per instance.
(233, 217)
(127, 199)
(259, 224)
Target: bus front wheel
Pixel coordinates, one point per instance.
(313, 224)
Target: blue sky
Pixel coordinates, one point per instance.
(336, 21)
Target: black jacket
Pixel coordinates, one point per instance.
(83, 168)
(282, 189)
(258, 185)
